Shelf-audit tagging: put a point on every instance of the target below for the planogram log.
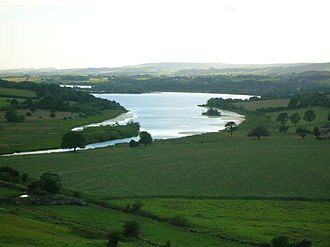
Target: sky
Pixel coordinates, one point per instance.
(111, 33)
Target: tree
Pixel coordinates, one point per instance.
(73, 139)
(259, 131)
(145, 138)
(316, 132)
(133, 143)
(280, 241)
(284, 129)
(328, 117)
(295, 118)
(309, 116)
(131, 229)
(12, 116)
(231, 127)
(50, 182)
(114, 237)
(282, 117)
(301, 131)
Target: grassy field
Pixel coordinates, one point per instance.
(4, 101)
(254, 105)
(17, 92)
(274, 167)
(247, 220)
(320, 112)
(43, 133)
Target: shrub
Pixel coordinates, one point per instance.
(13, 172)
(50, 182)
(114, 237)
(133, 143)
(24, 177)
(28, 114)
(52, 115)
(131, 229)
(6, 176)
(136, 207)
(179, 221)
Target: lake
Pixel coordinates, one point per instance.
(171, 114)
(164, 115)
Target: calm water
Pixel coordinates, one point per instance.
(171, 115)
(163, 115)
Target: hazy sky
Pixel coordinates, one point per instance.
(109, 33)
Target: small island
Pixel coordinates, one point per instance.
(212, 112)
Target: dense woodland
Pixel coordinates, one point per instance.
(55, 98)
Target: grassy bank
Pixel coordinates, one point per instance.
(38, 134)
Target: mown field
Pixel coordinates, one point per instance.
(275, 167)
(246, 220)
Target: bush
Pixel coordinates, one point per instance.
(52, 115)
(133, 143)
(76, 194)
(50, 182)
(131, 229)
(33, 186)
(136, 207)
(179, 221)
(114, 237)
(13, 172)
(6, 176)
(24, 177)
(28, 114)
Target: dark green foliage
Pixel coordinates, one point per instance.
(302, 131)
(6, 176)
(303, 243)
(168, 243)
(145, 138)
(131, 229)
(14, 102)
(11, 171)
(316, 132)
(136, 206)
(76, 194)
(283, 128)
(114, 237)
(294, 118)
(110, 132)
(212, 112)
(328, 118)
(28, 114)
(50, 182)
(52, 115)
(12, 116)
(280, 241)
(73, 139)
(54, 97)
(231, 127)
(33, 185)
(282, 117)
(259, 131)
(178, 221)
(24, 177)
(133, 143)
(283, 241)
(307, 100)
(309, 116)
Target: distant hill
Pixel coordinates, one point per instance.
(179, 69)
